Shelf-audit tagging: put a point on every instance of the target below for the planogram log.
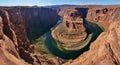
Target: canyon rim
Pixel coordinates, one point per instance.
(65, 34)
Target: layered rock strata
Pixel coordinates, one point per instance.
(105, 49)
(74, 33)
(71, 30)
(18, 27)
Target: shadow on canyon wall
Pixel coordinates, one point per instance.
(24, 24)
(83, 12)
(20, 25)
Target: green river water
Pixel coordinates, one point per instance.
(51, 44)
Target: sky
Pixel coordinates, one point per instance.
(57, 2)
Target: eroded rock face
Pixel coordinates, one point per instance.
(17, 26)
(72, 30)
(8, 52)
(104, 15)
(105, 49)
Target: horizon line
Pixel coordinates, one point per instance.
(69, 4)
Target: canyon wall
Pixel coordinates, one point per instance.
(105, 49)
(104, 15)
(21, 25)
(18, 27)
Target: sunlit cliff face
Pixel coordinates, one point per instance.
(71, 31)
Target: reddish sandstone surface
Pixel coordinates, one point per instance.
(20, 25)
(72, 29)
(105, 49)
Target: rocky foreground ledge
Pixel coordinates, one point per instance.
(105, 49)
(20, 25)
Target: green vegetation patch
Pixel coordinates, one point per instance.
(41, 48)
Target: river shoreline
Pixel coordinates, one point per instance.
(52, 46)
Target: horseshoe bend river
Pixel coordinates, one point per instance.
(51, 43)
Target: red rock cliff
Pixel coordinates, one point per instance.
(105, 49)
(19, 26)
